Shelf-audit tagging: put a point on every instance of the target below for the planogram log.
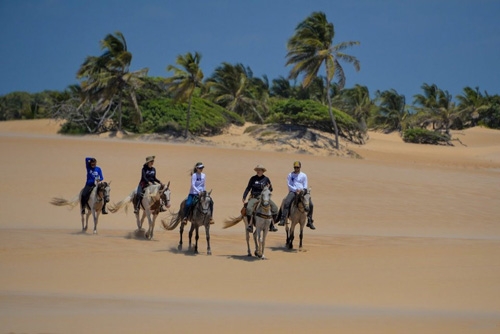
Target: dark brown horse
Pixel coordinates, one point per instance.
(199, 215)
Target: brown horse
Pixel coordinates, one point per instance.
(98, 197)
(156, 198)
(199, 215)
(298, 215)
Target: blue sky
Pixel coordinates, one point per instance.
(404, 43)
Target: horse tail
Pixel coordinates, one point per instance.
(115, 207)
(174, 221)
(58, 201)
(232, 221)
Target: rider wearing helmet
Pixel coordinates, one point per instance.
(94, 177)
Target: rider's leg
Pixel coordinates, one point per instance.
(274, 212)
(286, 207)
(310, 219)
(84, 198)
(189, 201)
(138, 194)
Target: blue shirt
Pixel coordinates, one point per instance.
(93, 174)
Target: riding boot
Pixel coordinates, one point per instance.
(104, 211)
(310, 223)
(273, 228)
(284, 217)
(250, 225)
(137, 204)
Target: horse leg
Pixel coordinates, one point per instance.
(181, 230)
(83, 223)
(263, 242)
(197, 236)
(291, 237)
(207, 232)
(249, 252)
(287, 229)
(301, 235)
(190, 236)
(152, 227)
(96, 218)
(255, 239)
(149, 233)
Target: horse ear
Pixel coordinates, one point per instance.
(210, 192)
(168, 184)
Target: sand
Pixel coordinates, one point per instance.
(407, 240)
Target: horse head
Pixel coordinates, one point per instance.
(205, 200)
(265, 197)
(303, 198)
(165, 195)
(104, 189)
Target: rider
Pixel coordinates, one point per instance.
(94, 177)
(197, 186)
(255, 186)
(148, 177)
(297, 181)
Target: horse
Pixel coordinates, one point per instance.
(199, 215)
(98, 197)
(156, 197)
(262, 218)
(298, 215)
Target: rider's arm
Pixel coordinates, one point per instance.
(291, 182)
(247, 189)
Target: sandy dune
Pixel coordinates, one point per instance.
(407, 240)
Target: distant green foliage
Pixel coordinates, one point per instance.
(69, 128)
(424, 136)
(206, 118)
(310, 114)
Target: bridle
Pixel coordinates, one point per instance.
(103, 192)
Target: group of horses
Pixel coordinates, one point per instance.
(156, 199)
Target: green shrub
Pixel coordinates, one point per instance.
(206, 118)
(312, 115)
(424, 136)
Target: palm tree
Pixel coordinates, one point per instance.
(108, 78)
(312, 46)
(357, 102)
(471, 104)
(392, 112)
(185, 80)
(436, 107)
(234, 88)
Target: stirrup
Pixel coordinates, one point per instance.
(211, 221)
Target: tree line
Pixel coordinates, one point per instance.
(111, 97)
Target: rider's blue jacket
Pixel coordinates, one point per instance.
(93, 174)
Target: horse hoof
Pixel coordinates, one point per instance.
(209, 252)
(95, 232)
(249, 254)
(179, 247)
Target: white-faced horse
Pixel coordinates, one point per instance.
(199, 215)
(262, 218)
(98, 197)
(298, 215)
(155, 198)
